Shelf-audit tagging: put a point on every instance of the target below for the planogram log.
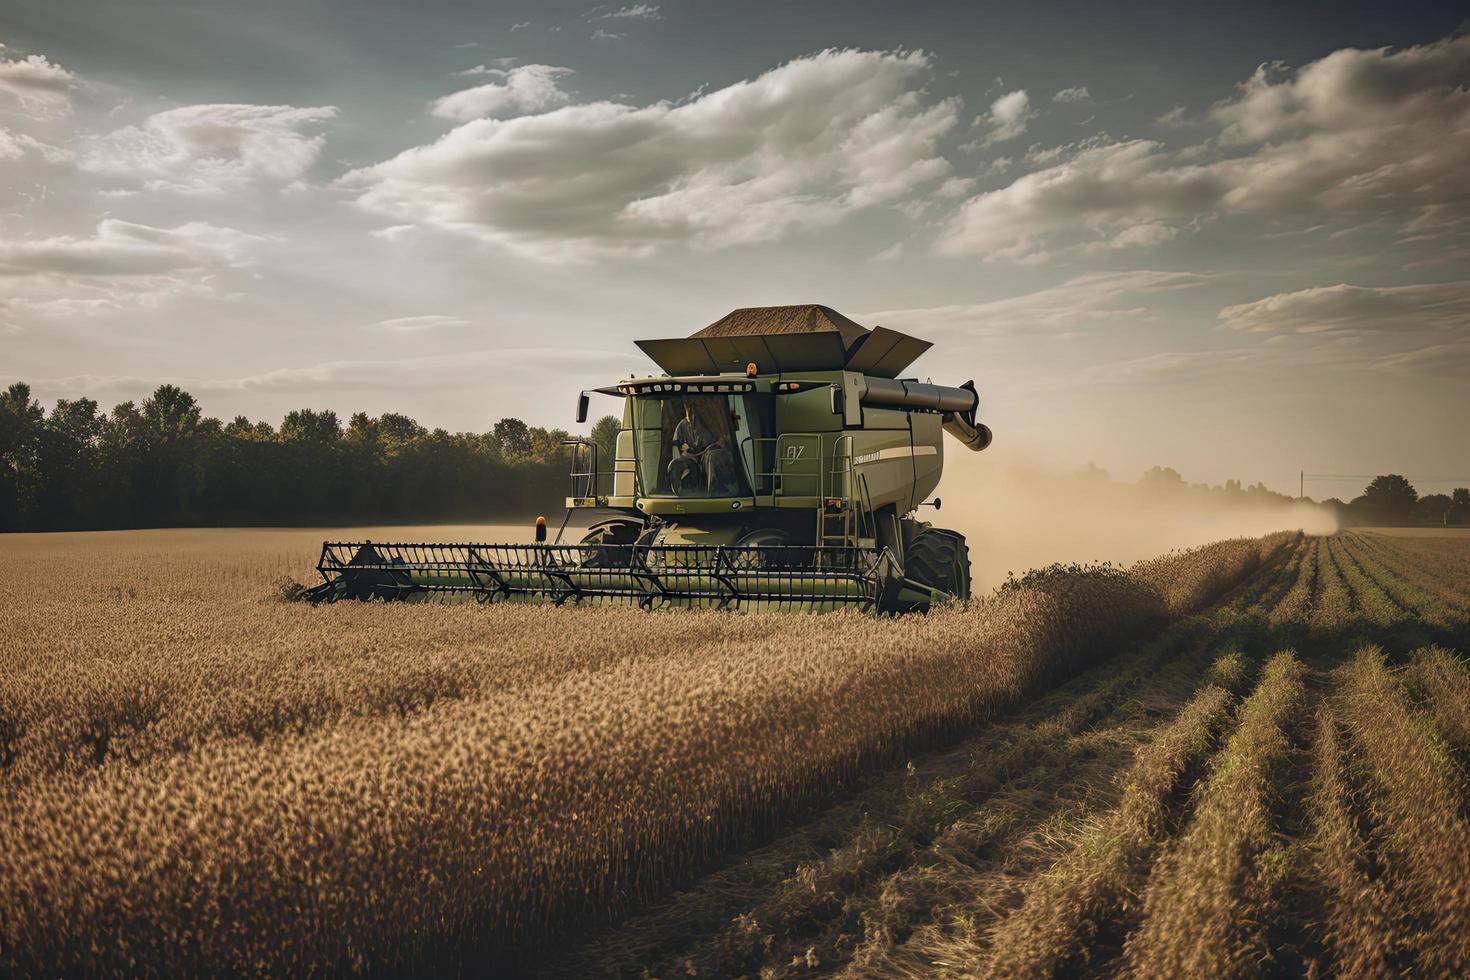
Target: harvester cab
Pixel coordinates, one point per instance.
(777, 463)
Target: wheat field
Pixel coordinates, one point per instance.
(1243, 757)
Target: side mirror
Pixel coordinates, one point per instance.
(582, 402)
(839, 400)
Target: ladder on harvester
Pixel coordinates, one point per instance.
(845, 516)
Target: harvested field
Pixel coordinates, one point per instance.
(1248, 757)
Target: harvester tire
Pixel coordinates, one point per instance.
(939, 559)
(767, 536)
(617, 532)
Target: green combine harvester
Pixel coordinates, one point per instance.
(777, 463)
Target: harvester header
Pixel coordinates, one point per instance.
(778, 462)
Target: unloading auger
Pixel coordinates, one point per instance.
(778, 463)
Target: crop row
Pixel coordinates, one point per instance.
(367, 837)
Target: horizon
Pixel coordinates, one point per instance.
(1233, 248)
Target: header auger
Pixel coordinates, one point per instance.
(777, 464)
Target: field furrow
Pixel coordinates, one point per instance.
(1210, 898)
(1092, 771)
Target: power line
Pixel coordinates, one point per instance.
(1464, 480)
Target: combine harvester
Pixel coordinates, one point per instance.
(777, 464)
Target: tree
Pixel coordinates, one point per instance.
(514, 438)
(1389, 497)
(399, 430)
(69, 463)
(605, 434)
(306, 425)
(1459, 512)
(1433, 508)
(20, 442)
(1162, 478)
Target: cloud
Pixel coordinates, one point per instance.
(1076, 93)
(393, 233)
(1106, 189)
(1346, 309)
(1168, 367)
(522, 25)
(203, 149)
(14, 146)
(497, 66)
(122, 266)
(525, 90)
(1174, 118)
(415, 324)
(434, 372)
(798, 147)
(1451, 360)
(123, 248)
(638, 11)
(602, 35)
(1008, 117)
(1095, 298)
(37, 82)
(1372, 134)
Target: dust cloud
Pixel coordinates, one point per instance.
(1018, 516)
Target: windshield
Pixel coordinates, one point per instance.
(701, 445)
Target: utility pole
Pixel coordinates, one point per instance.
(1301, 484)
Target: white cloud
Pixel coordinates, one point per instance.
(393, 233)
(123, 248)
(416, 324)
(1106, 189)
(1135, 236)
(1367, 133)
(15, 145)
(524, 90)
(37, 82)
(799, 147)
(1174, 118)
(1102, 297)
(434, 372)
(638, 11)
(123, 265)
(521, 26)
(1361, 310)
(1076, 93)
(201, 149)
(1008, 117)
(602, 35)
(497, 66)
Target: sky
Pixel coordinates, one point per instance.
(1237, 244)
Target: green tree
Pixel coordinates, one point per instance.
(1459, 512)
(21, 420)
(514, 438)
(1433, 508)
(307, 425)
(605, 434)
(1389, 497)
(69, 464)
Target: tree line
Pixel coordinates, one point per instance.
(1392, 499)
(1387, 499)
(163, 463)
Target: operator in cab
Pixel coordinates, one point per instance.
(698, 453)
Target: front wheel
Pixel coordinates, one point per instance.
(939, 559)
(609, 544)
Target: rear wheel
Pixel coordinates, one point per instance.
(939, 559)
